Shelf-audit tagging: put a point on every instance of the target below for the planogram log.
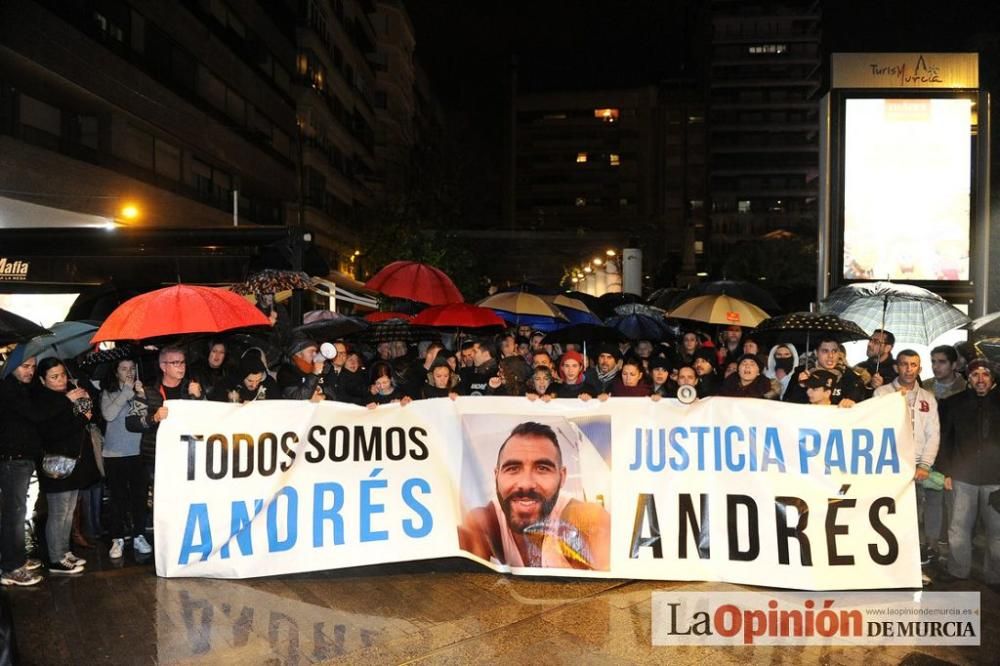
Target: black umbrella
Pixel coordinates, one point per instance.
(799, 328)
(14, 328)
(987, 326)
(606, 303)
(581, 333)
(332, 328)
(745, 291)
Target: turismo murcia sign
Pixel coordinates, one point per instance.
(905, 70)
(12, 270)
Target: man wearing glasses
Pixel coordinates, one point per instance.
(148, 410)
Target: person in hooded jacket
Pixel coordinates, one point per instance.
(249, 383)
(305, 375)
(781, 361)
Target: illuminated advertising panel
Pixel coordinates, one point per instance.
(907, 188)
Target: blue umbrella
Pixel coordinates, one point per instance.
(536, 322)
(68, 339)
(639, 327)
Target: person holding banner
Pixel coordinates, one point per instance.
(384, 389)
(574, 384)
(530, 524)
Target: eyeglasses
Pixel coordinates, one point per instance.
(176, 364)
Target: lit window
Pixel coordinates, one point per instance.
(699, 247)
(615, 159)
(767, 49)
(580, 159)
(581, 202)
(607, 115)
(743, 206)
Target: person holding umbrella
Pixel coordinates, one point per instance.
(880, 363)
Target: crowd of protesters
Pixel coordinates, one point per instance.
(52, 410)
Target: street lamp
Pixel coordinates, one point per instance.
(130, 212)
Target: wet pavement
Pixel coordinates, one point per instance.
(447, 611)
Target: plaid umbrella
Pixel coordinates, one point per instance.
(912, 314)
(392, 330)
(271, 281)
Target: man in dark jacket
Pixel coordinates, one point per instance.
(969, 458)
(847, 390)
(306, 375)
(476, 380)
(149, 409)
(19, 448)
(604, 373)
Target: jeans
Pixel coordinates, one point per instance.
(969, 502)
(14, 477)
(90, 510)
(930, 507)
(128, 486)
(59, 523)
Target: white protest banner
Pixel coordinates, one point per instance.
(738, 490)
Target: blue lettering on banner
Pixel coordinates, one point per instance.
(240, 528)
(368, 486)
(322, 514)
(274, 544)
(413, 531)
(197, 520)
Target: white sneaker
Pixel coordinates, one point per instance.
(73, 559)
(117, 546)
(141, 545)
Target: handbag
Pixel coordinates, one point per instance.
(56, 466)
(97, 442)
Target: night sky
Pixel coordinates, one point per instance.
(467, 46)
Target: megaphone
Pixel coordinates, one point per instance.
(328, 350)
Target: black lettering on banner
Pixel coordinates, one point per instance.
(242, 453)
(785, 532)
(645, 506)
(267, 448)
(367, 449)
(316, 454)
(191, 440)
(687, 516)
(395, 443)
(883, 531)
(753, 528)
(419, 449)
(288, 440)
(833, 530)
(340, 443)
(216, 446)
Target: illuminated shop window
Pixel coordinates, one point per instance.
(614, 159)
(581, 158)
(607, 115)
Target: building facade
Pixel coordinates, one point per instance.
(764, 81)
(183, 111)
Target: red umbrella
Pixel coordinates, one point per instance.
(458, 315)
(178, 310)
(376, 317)
(416, 282)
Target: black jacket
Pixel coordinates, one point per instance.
(297, 385)
(19, 420)
(64, 433)
(476, 380)
(970, 438)
(849, 386)
(565, 390)
(141, 420)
